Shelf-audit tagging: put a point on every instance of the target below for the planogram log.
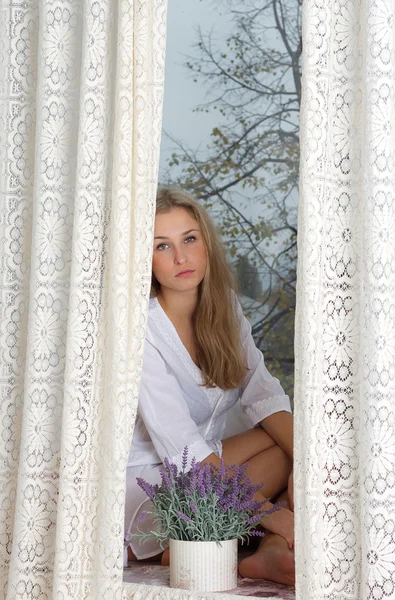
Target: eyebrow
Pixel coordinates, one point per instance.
(162, 237)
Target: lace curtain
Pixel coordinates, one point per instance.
(80, 121)
(345, 326)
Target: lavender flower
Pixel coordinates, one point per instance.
(203, 503)
(142, 516)
(252, 520)
(166, 480)
(256, 533)
(170, 467)
(193, 478)
(146, 487)
(184, 517)
(208, 475)
(185, 458)
(200, 483)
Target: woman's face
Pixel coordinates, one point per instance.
(179, 259)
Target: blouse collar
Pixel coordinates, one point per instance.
(169, 333)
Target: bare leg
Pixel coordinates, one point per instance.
(271, 467)
(241, 447)
(273, 560)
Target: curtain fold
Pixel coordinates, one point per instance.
(80, 121)
(345, 321)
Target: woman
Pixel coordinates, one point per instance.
(199, 360)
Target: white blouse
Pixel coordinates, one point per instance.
(175, 410)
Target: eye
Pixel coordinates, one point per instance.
(191, 238)
(162, 246)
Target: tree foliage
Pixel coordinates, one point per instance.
(248, 174)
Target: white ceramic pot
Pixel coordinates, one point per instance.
(203, 566)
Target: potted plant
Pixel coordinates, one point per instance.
(202, 511)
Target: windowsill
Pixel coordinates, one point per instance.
(153, 574)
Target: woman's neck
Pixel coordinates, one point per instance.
(179, 306)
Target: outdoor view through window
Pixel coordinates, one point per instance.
(231, 138)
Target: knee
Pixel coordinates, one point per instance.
(282, 460)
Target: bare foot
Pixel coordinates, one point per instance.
(165, 560)
(273, 561)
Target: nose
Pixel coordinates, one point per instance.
(179, 256)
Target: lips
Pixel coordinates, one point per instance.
(185, 273)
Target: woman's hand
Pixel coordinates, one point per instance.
(281, 522)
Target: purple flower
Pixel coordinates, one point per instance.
(170, 467)
(275, 507)
(254, 520)
(226, 490)
(253, 489)
(166, 479)
(146, 487)
(256, 533)
(193, 474)
(207, 476)
(185, 458)
(200, 483)
(238, 475)
(246, 505)
(142, 516)
(183, 516)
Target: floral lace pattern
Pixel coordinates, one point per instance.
(80, 121)
(345, 324)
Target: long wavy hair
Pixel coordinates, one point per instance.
(215, 322)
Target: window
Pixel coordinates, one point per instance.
(231, 125)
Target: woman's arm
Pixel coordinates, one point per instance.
(281, 429)
(240, 448)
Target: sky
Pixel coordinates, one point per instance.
(182, 94)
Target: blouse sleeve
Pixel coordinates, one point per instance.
(165, 412)
(261, 393)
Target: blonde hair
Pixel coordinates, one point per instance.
(215, 322)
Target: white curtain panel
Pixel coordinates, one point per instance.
(345, 325)
(80, 121)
